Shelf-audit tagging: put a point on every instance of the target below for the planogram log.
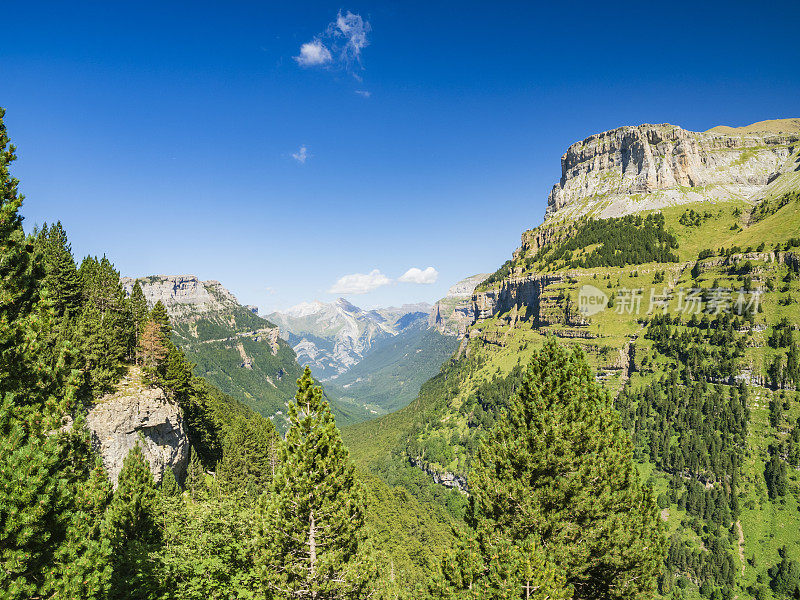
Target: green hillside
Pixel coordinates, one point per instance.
(709, 399)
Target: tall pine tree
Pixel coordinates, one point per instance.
(559, 468)
(131, 525)
(312, 541)
(41, 463)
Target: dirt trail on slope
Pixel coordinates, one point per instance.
(741, 543)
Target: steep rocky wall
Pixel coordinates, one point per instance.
(136, 412)
(522, 294)
(630, 169)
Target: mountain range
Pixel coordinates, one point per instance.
(333, 337)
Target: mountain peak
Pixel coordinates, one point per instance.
(646, 167)
(347, 306)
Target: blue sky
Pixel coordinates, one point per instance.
(169, 135)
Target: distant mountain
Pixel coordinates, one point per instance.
(333, 337)
(235, 349)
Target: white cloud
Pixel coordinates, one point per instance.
(415, 275)
(301, 155)
(353, 29)
(339, 46)
(312, 54)
(359, 283)
(363, 93)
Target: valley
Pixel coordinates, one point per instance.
(634, 362)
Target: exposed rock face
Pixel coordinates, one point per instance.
(453, 314)
(523, 295)
(133, 413)
(444, 478)
(182, 295)
(630, 169)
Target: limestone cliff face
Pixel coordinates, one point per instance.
(189, 300)
(136, 412)
(454, 313)
(520, 294)
(630, 169)
(184, 296)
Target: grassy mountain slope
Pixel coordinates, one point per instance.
(770, 126)
(738, 247)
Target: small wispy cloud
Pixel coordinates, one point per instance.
(415, 275)
(359, 283)
(353, 30)
(363, 93)
(301, 155)
(339, 46)
(313, 54)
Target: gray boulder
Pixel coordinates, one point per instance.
(137, 412)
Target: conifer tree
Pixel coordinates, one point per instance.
(559, 467)
(151, 351)
(61, 274)
(169, 485)
(246, 466)
(131, 526)
(488, 565)
(83, 566)
(195, 476)
(139, 308)
(177, 374)
(159, 316)
(39, 462)
(312, 543)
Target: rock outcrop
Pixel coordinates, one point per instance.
(523, 295)
(454, 313)
(445, 478)
(136, 412)
(630, 169)
(184, 296)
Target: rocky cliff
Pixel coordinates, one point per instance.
(630, 169)
(134, 413)
(184, 296)
(522, 295)
(454, 313)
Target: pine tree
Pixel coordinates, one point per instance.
(312, 543)
(40, 464)
(159, 316)
(151, 351)
(177, 374)
(169, 485)
(488, 565)
(559, 467)
(139, 310)
(131, 526)
(246, 466)
(83, 566)
(195, 476)
(61, 274)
